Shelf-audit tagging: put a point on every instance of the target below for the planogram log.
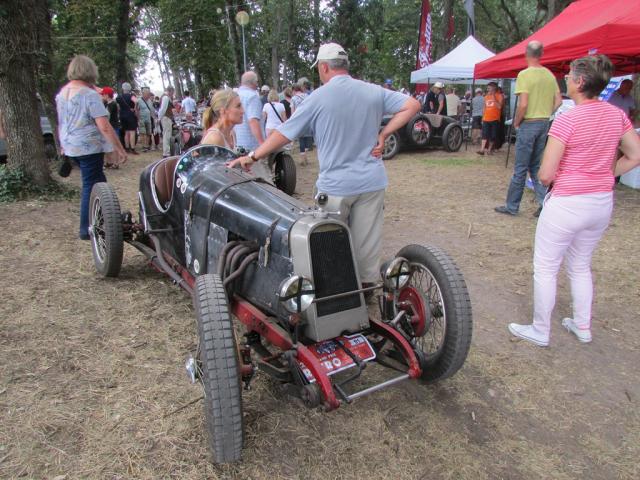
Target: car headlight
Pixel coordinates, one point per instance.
(297, 294)
(396, 273)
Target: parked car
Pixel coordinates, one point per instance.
(287, 272)
(422, 131)
(47, 132)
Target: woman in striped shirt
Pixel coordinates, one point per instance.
(579, 165)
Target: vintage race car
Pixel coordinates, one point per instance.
(287, 273)
(422, 131)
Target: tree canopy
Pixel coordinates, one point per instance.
(197, 44)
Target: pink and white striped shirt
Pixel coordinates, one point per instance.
(591, 134)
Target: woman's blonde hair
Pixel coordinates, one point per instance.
(221, 99)
(84, 69)
(273, 96)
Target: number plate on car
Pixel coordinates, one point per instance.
(333, 358)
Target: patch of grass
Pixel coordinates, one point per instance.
(16, 185)
(449, 162)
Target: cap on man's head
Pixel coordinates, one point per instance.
(107, 91)
(265, 88)
(478, 90)
(438, 85)
(330, 51)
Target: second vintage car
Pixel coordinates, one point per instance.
(424, 130)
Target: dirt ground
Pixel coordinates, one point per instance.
(92, 383)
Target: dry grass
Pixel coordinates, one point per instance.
(91, 370)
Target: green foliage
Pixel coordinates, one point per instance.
(15, 185)
(90, 28)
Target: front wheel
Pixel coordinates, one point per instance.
(452, 137)
(105, 229)
(392, 146)
(220, 370)
(439, 299)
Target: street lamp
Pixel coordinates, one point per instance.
(242, 19)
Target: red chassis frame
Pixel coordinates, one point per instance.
(258, 322)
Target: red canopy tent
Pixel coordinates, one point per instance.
(586, 27)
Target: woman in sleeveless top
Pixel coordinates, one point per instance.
(219, 119)
(85, 131)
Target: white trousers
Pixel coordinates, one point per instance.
(167, 126)
(569, 228)
(364, 215)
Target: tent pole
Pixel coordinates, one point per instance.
(513, 117)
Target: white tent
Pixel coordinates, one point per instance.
(456, 66)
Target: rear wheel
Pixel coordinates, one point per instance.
(285, 175)
(105, 229)
(439, 300)
(220, 370)
(419, 130)
(391, 146)
(452, 137)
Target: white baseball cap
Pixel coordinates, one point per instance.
(330, 51)
(438, 85)
(265, 88)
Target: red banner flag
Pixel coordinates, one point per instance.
(424, 43)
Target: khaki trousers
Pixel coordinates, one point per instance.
(167, 125)
(364, 215)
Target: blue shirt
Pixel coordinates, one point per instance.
(624, 103)
(252, 109)
(344, 116)
(79, 134)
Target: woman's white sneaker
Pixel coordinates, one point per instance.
(584, 335)
(528, 333)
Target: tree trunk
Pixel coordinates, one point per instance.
(160, 69)
(18, 44)
(316, 36)
(233, 39)
(275, 59)
(447, 11)
(47, 85)
(122, 39)
(236, 46)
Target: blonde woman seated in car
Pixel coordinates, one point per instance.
(218, 121)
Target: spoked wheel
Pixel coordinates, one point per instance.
(285, 173)
(419, 130)
(218, 354)
(391, 146)
(452, 137)
(105, 229)
(439, 300)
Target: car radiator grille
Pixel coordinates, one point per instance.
(333, 269)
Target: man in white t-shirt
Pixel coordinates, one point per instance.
(188, 103)
(453, 103)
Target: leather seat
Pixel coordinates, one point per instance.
(163, 179)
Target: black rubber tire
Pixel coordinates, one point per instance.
(285, 173)
(220, 370)
(105, 230)
(425, 138)
(392, 146)
(452, 137)
(452, 353)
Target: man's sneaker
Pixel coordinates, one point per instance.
(503, 209)
(528, 333)
(583, 334)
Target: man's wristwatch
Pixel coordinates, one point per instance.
(252, 155)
